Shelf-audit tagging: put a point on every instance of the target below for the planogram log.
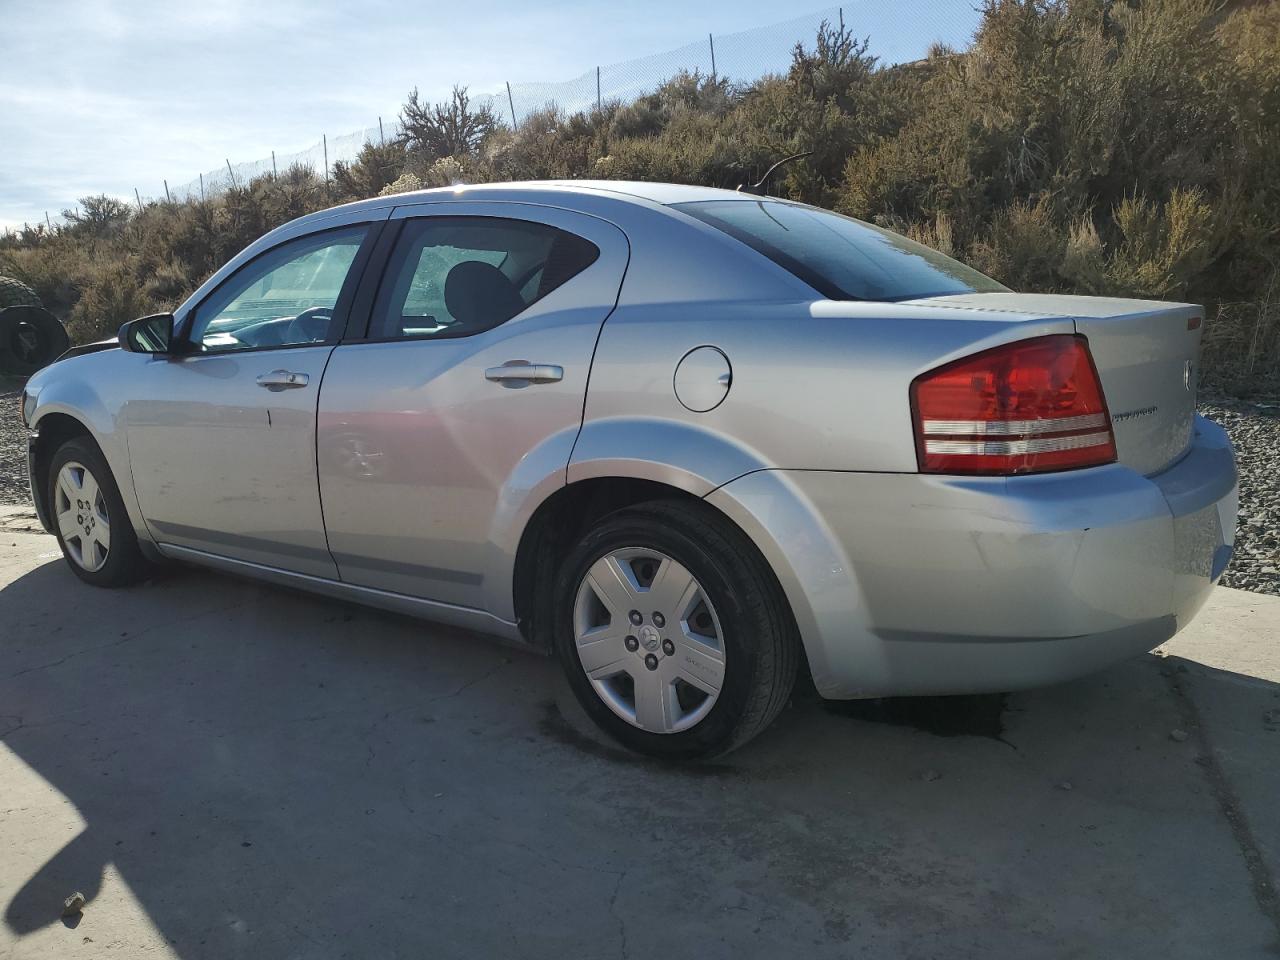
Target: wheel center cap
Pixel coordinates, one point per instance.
(649, 638)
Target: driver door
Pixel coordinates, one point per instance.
(222, 439)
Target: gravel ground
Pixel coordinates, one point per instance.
(13, 448)
(1254, 427)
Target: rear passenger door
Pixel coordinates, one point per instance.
(464, 389)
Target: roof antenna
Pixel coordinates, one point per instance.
(759, 188)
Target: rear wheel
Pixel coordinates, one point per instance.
(89, 517)
(673, 632)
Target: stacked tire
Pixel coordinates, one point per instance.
(30, 336)
(15, 293)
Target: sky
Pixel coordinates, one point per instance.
(106, 96)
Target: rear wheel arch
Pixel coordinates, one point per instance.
(712, 655)
(559, 523)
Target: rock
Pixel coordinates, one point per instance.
(930, 775)
(73, 904)
(1065, 785)
(1178, 735)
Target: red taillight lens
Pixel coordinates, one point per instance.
(1025, 407)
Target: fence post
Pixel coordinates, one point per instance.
(275, 175)
(325, 140)
(167, 197)
(202, 188)
(512, 104)
(712, 41)
(598, 104)
(137, 196)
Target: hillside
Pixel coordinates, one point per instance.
(1079, 145)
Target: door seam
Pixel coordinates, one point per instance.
(315, 450)
(591, 364)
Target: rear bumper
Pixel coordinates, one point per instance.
(910, 584)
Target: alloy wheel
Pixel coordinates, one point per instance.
(649, 640)
(83, 521)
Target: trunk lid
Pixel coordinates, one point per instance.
(1147, 353)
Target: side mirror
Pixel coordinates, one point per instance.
(153, 334)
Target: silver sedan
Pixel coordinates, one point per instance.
(690, 441)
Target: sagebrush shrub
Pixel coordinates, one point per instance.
(1113, 147)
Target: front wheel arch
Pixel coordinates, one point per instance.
(53, 430)
(119, 560)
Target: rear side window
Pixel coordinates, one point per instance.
(457, 276)
(841, 258)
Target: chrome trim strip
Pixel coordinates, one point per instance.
(979, 428)
(1007, 448)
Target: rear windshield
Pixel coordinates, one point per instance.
(841, 258)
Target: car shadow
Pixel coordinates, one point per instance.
(273, 774)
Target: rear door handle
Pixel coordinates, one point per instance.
(518, 372)
(278, 380)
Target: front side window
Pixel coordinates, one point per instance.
(456, 276)
(285, 297)
(841, 258)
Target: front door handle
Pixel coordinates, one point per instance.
(278, 380)
(517, 373)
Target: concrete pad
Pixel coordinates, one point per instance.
(1231, 698)
(231, 770)
(1238, 632)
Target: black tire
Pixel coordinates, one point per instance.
(761, 644)
(124, 563)
(15, 293)
(30, 338)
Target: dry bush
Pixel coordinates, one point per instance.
(405, 183)
(1241, 345)
(1163, 248)
(937, 234)
(1113, 147)
(1023, 248)
(111, 296)
(375, 167)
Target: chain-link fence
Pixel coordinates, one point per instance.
(899, 32)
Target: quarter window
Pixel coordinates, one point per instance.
(456, 276)
(285, 297)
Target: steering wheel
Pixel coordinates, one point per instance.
(310, 326)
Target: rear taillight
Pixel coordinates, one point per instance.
(1024, 407)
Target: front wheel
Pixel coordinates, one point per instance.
(90, 521)
(673, 631)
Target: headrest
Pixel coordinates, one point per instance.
(479, 294)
